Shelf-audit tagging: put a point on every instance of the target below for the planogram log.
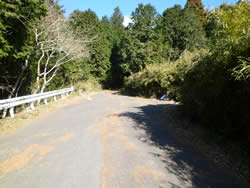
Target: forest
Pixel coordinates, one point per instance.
(197, 57)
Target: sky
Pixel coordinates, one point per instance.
(106, 7)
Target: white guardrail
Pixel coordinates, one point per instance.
(10, 104)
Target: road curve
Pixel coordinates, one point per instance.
(110, 141)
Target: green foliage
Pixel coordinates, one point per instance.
(198, 8)
(194, 35)
(214, 86)
(100, 48)
(116, 21)
(232, 36)
(181, 29)
(217, 89)
(88, 85)
(115, 33)
(147, 82)
(71, 74)
(86, 22)
(144, 19)
(133, 53)
(138, 47)
(163, 78)
(242, 71)
(210, 26)
(17, 21)
(171, 30)
(99, 58)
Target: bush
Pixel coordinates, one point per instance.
(217, 89)
(147, 82)
(88, 85)
(164, 78)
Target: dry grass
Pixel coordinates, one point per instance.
(25, 118)
(89, 85)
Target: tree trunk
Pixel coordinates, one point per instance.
(17, 85)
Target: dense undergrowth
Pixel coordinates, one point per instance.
(213, 84)
(163, 78)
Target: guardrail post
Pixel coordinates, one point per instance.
(55, 98)
(62, 95)
(45, 101)
(71, 90)
(4, 113)
(12, 112)
(38, 102)
(32, 106)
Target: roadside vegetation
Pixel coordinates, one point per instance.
(197, 57)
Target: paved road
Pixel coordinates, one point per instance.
(111, 141)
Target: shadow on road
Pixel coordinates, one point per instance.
(179, 158)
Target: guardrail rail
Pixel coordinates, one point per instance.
(10, 104)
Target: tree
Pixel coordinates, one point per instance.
(109, 30)
(194, 35)
(138, 47)
(132, 53)
(117, 24)
(17, 20)
(181, 30)
(116, 34)
(57, 45)
(172, 31)
(217, 89)
(198, 8)
(145, 20)
(99, 49)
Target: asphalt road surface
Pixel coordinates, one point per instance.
(111, 141)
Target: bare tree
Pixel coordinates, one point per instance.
(57, 44)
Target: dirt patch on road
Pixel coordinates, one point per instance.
(44, 134)
(139, 173)
(65, 137)
(29, 154)
(22, 159)
(112, 130)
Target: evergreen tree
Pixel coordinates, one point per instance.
(88, 23)
(138, 47)
(193, 33)
(118, 31)
(172, 31)
(109, 31)
(145, 20)
(17, 21)
(198, 8)
(117, 24)
(181, 30)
